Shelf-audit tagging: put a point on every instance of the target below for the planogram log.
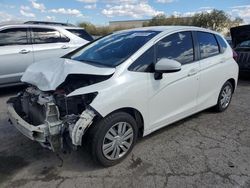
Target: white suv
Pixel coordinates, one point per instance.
(122, 86)
(23, 44)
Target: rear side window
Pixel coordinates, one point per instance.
(14, 36)
(208, 44)
(178, 46)
(43, 36)
(81, 33)
(223, 45)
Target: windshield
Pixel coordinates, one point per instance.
(113, 49)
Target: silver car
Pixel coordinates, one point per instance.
(24, 44)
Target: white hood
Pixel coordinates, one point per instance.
(49, 74)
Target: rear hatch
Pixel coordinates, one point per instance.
(241, 44)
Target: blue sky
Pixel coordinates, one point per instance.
(100, 12)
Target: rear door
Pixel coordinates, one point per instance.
(16, 54)
(49, 43)
(212, 62)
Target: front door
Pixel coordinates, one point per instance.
(174, 96)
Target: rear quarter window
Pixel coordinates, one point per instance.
(222, 43)
(81, 33)
(208, 44)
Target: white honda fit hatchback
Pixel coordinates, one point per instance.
(123, 85)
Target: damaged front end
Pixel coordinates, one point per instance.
(52, 118)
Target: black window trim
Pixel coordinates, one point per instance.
(198, 45)
(32, 35)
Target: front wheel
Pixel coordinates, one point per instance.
(113, 138)
(225, 97)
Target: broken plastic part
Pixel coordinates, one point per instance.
(85, 120)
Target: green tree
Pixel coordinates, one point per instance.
(216, 20)
(156, 21)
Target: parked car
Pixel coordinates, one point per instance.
(241, 45)
(122, 86)
(23, 44)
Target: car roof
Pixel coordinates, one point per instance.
(169, 29)
(38, 25)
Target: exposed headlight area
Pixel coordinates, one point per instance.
(73, 105)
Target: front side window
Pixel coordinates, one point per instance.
(113, 49)
(145, 63)
(178, 46)
(43, 36)
(14, 36)
(208, 44)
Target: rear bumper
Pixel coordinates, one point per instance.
(36, 133)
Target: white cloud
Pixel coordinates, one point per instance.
(5, 17)
(38, 6)
(90, 6)
(192, 13)
(3, 5)
(241, 6)
(50, 18)
(241, 11)
(122, 1)
(73, 12)
(206, 8)
(87, 1)
(24, 10)
(131, 10)
(165, 1)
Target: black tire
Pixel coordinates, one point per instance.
(219, 107)
(98, 131)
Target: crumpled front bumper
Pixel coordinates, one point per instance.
(36, 133)
(50, 134)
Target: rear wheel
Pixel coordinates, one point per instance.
(225, 97)
(113, 138)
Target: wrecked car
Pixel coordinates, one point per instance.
(241, 45)
(122, 86)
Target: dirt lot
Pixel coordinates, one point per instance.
(205, 150)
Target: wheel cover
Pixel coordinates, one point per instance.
(118, 140)
(226, 96)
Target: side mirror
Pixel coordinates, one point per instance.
(165, 65)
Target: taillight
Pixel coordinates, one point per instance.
(235, 56)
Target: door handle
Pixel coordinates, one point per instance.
(65, 47)
(24, 51)
(192, 72)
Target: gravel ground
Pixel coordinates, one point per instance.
(205, 150)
